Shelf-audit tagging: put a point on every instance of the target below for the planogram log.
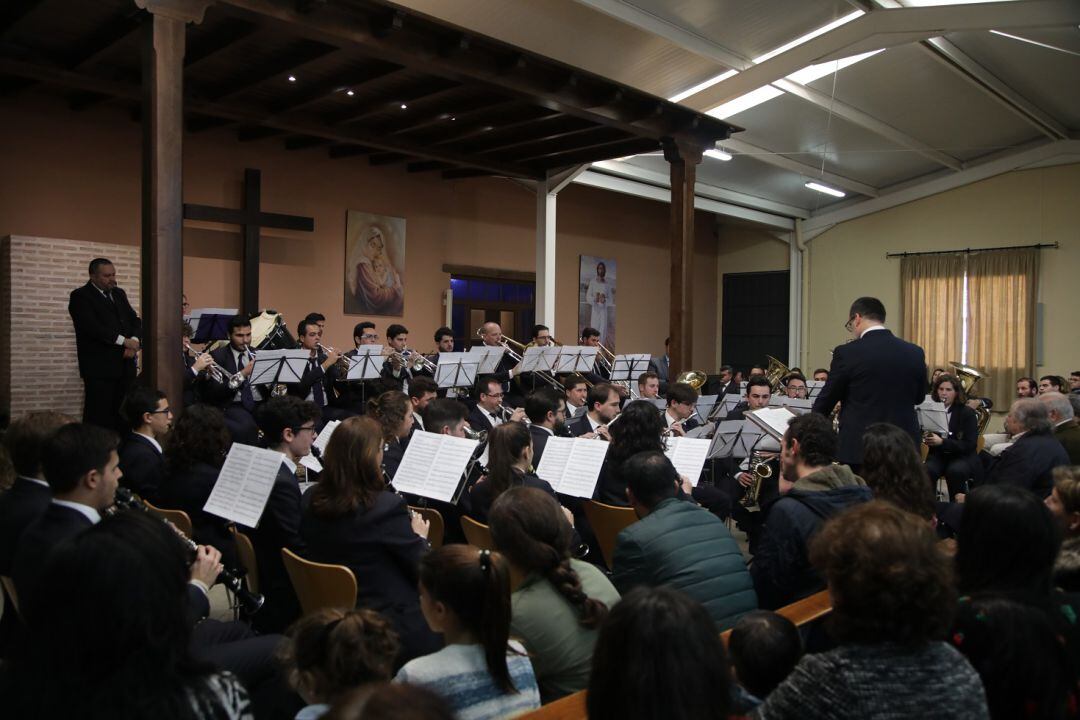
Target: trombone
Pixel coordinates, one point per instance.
(516, 351)
(605, 358)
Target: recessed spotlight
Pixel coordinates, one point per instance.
(292, 78)
(350, 93)
(825, 189)
(404, 106)
(718, 155)
(453, 118)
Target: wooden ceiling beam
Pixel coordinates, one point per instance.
(347, 79)
(338, 152)
(106, 37)
(593, 153)
(289, 60)
(387, 158)
(460, 118)
(412, 97)
(12, 11)
(554, 134)
(461, 173)
(249, 134)
(229, 32)
(427, 166)
(303, 142)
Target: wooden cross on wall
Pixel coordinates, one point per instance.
(251, 219)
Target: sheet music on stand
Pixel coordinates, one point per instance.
(702, 431)
(731, 437)
(540, 359)
(727, 403)
(798, 406)
(705, 406)
(366, 364)
(813, 388)
(577, 359)
(773, 421)
(572, 465)
(279, 366)
(659, 403)
(627, 368)
(324, 436)
(434, 466)
(244, 483)
(933, 417)
(216, 326)
(688, 455)
(486, 357)
(456, 369)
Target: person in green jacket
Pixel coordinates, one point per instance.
(679, 544)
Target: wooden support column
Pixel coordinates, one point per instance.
(162, 182)
(684, 157)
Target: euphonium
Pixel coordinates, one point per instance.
(760, 469)
(969, 377)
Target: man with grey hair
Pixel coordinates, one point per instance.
(1035, 452)
(1063, 419)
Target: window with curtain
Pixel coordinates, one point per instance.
(978, 309)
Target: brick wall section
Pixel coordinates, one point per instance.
(38, 366)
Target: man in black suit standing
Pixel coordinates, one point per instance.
(876, 378)
(107, 332)
(149, 419)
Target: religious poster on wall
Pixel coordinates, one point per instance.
(374, 264)
(596, 297)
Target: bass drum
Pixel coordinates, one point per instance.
(268, 332)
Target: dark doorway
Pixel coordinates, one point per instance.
(755, 318)
(511, 303)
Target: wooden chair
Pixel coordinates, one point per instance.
(980, 445)
(437, 529)
(246, 551)
(179, 518)
(478, 534)
(607, 522)
(319, 585)
(571, 707)
(924, 450)
(9, 588)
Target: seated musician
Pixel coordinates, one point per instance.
(489, 410)
(953, 456)
(640, 429)
(576, 394)
(422, 390)
(395, 369)
(601, 372)
(795, 386)
(195, 376)
(547, 418)
(725, 384)
(444, 343)
(529, 382)
(393, 411)
(317, 383)
(510, 464)
(492, 336)
(679, 416)
(733, 481)
(320, 320)
(149, 419)
(648, 384)
(231, 388)
(603, 407)
(353, 395)
(446, 416)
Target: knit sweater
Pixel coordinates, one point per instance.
(883, 681)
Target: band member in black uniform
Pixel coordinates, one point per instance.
(590, 337)
(317, 383)
(732, 480)
(679, 416)
(491, 334)
(231, 389)
(529, 382)
(107, 339)
(195, 376)
(353, 395)
(576, 395)
(395, 369)
(393, 410)
(490, 410)
(547, 417)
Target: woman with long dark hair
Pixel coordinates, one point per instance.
(350, 518)
(110, 636)
(195, 450)
(465, 596)
(561, 602)
(393, 410)
(509, 465)
(639, 428)
(953, 455)
(893, 469)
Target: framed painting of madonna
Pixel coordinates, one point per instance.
(374, 264)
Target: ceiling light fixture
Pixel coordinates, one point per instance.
(826, 189)
(404, 106)
(718, 155)
(292, 78)
(350, 93)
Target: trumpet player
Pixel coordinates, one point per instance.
(317, 383)
(490, 410)
(395, 370)
(231, 389)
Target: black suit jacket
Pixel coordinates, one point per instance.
(56, 524)
(479, 419)
(142, 465)
(218, 393)
(877, 378)
(580, 425)
(98, 322)
(539, 439)
(20, 506)
(477, 502)
(1029, 462)
(188, 489)
(963, 435)
(315, 375)
(279, 527)
(393, 453)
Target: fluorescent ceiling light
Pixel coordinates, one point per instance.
(702, 86)
(815, 72)
(745, 102)
(929, 3)
(810, 36)
(718, 155)
(1035, 42)
(825, 189)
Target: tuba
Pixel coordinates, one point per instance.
(775, 374)
(758, 466)
(969, 377)
(693, 378)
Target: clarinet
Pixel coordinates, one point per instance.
(232, 579)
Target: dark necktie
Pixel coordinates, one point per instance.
(246, 397)
(317, 388)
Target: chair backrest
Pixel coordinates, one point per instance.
(437, 529)
(246, 551)
(607, 522)
(571, 707)
(9, 588)
(319, 585)
(924, 450)
(179, 518)
(980, 445)
(478, 534)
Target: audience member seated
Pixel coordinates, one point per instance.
(893, 597)
(82, 469)
(1026, 387)
(194, 453)
(679, 544)
(391, 701)
(148, 416)
(465, 596)
(953, 456)
(333, 652)
(1018, 653)
(110, 632)
(1066, 428)
(659, 656)
(393, 410)
(1051, 383)
(350, 518)
(812, 490)
(640, 429)
(1064, 505)
(1034, 454)
(510, 463)
(765, 648)
(895, 473)
(559, 603)
(288, 426)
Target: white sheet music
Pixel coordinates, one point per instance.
(539, 359)
(243, 486)
(324, 436)
(933, 416)
(311, 463)
(486, 357)
(572, 465)
(773, 421)
(433, 465)
(577, 358)
(267, 363)
(799, 406)
(688, 455)
(630, 367)
(366, 364)
(456, 369)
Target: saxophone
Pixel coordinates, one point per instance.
(759, 468)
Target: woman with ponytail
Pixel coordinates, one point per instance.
(393, 410)
(559, 602)
(465, 596)
(510, 455)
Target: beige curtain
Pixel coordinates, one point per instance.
(931, 302)
(1002, 289)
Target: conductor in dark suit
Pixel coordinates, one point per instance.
(876, 378)
(107, 332)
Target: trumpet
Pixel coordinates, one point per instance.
(342, 362)
(232, 579)
(417, 362)
(215, 371)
